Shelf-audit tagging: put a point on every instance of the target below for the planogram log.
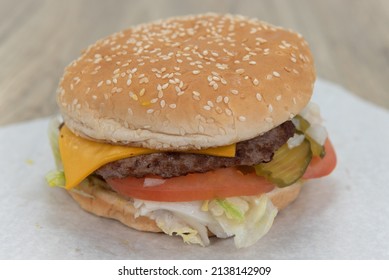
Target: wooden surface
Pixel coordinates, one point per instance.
(349, 39)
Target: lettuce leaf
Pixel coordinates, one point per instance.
(246, 218)
(258, 216)
(55, 178)
(53, 131)
(172, 225)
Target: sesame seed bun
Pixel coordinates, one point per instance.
(106, 203)
(187, 83)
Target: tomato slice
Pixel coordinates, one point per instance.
(220, 183)
(320, 167)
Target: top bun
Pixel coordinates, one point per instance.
(187, 83)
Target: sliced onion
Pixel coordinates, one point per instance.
(318, 133)
(152, 182)
(295, 141)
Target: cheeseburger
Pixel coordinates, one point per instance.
(193, 126)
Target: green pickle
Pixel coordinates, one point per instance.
(317, 149)
(287, 165)
(303, 123)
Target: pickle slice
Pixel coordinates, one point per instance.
(303, 123)
(287, 165)
(317, 149)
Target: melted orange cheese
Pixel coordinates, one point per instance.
(81, 157)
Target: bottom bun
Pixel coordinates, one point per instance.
(106, 203)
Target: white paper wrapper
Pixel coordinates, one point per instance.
(343, 216)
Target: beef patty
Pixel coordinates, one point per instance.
(171, 164)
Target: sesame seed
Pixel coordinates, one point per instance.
(144, 80)
(242, 118)
(252, 62)
(239, 71)
(276, 74)
(228, 112)
(196, 93)
(270, 108)
(165, 76)
(215, 86)
(94, 97)
(149, 111)
(162, 103)
(278, 98)
(100, 83)
(287, 69)
(196, 72)
(224, 82)
(173, 106)
(210, 103)
(293, 59)
(165, 86)
(258, 96)
(108, 82)
(133, 96)
(206, 107)
(234, 91)
(255, 82)
(226, 99)
(219, 99)
(142, 92)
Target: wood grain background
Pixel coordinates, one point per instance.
(349, 39)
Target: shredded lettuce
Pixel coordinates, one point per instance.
(53, 132)
(259, 214)
(245, 218)
(232, 207)
(55, 178)
(172, 225)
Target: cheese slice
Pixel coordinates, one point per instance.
(81, 157)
